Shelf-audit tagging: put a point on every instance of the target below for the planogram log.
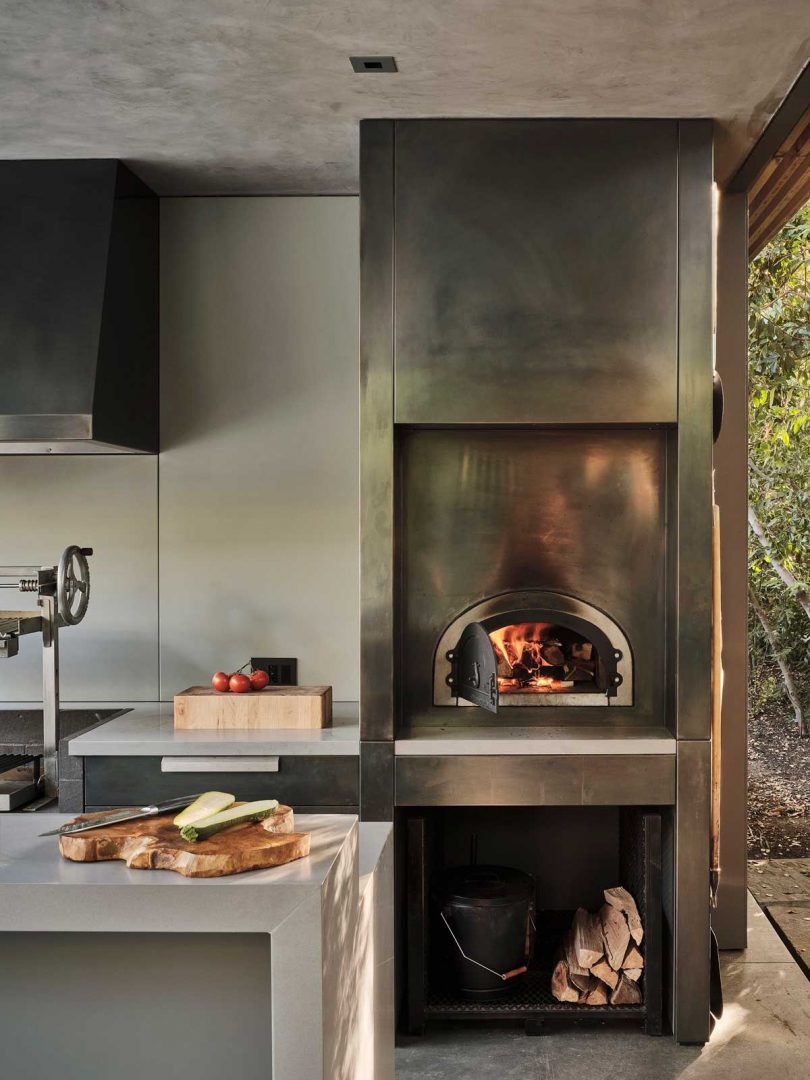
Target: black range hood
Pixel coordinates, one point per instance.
(79, 309)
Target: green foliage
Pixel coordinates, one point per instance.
(779, 444)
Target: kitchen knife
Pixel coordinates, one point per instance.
(124, 815)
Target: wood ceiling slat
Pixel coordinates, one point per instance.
(781, 189)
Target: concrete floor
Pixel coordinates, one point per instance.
(764, 1034)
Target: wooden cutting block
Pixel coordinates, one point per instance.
(156, 844)
(299, 707)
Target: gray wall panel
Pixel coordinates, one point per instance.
(259, 429)
(97, 1006)
(108, 503)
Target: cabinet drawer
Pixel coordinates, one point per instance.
(300, 781)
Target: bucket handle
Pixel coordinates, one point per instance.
(498, 975)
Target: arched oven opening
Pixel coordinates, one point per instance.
(531, 649)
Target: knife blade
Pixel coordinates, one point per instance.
(124, 815)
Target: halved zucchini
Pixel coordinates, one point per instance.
(236, 815)
(208, 804)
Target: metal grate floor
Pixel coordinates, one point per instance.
(532, 997)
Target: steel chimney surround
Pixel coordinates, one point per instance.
(536, 363)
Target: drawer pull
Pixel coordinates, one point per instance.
(219, 764)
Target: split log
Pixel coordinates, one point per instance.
(626, 993)
(588, 944)
(620, 898)
(584, 983)
(561, 987)
(570, 956)
(582, 650)
(605, 973)
(599, 961)
(632, 958)
(553, 654)
(616, 934)
(597, 996)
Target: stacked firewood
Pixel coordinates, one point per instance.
(599, 960)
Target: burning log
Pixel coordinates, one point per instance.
(540, 658)
(552, 654)
(599, 959)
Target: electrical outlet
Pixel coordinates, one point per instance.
(282, 671)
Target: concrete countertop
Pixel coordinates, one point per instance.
(147, 729)
(21, 725)
(41, 891)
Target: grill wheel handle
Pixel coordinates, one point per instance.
(72, 582)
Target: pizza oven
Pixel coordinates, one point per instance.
(533, 648)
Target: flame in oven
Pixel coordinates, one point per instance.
(541, 658)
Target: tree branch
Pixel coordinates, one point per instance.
(787, 678)
(783, 573)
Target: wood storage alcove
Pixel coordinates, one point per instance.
(637, 995)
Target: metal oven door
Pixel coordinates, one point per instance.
(474, 674)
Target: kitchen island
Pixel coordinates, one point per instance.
(149, 973)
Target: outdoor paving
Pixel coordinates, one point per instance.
(782, 887)
(764, 1034)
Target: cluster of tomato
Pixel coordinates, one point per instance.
(239, 683)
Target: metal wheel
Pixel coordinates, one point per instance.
(73, 585)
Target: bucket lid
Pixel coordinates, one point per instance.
(487, 886)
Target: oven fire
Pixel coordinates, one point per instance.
(542, 658)
(532, 648)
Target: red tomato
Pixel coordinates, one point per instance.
(220, 682)
(258, 680)
(240, 684)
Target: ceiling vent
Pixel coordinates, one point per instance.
(363, 64)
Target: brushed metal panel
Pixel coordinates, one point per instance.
(576, 511)
(109, 504)
(57, 426)
(258, 471)
(376, 430)
(377, 781)
(731, 461)
(536, 271)
(301, 781)
(629, 780)
(694, 461)
(691, 856)
(611, 780)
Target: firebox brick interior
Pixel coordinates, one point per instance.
(536, 487)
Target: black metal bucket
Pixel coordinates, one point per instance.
(488, 913)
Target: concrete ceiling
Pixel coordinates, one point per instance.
(257, 96)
